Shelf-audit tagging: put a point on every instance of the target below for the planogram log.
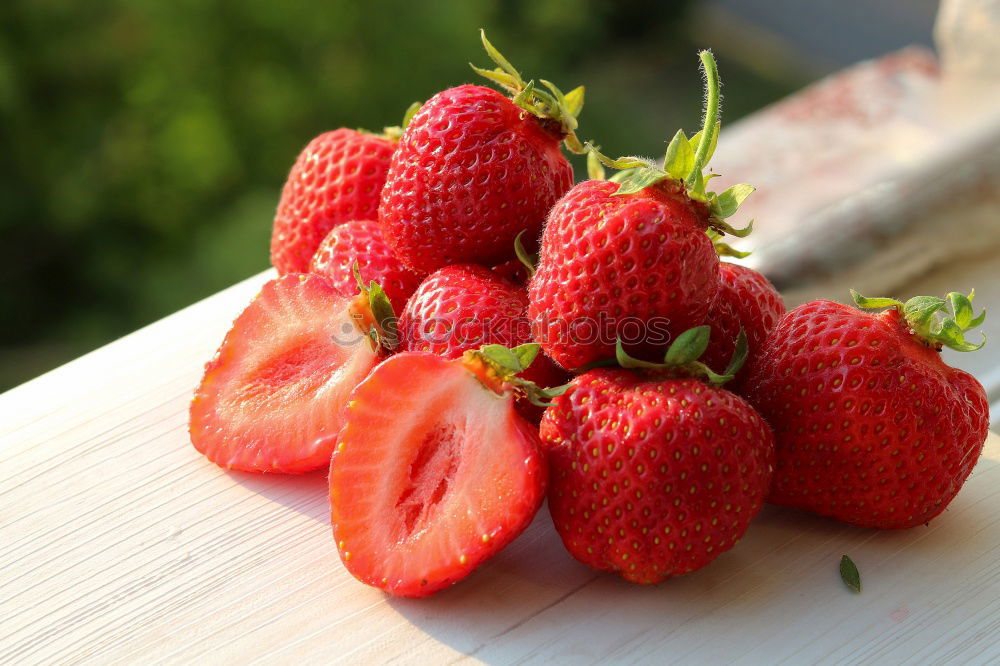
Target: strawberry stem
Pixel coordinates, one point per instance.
(710, 126)
(685, 159)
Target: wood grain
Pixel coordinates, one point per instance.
(120, 544)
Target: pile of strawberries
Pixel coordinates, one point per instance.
(656, 395)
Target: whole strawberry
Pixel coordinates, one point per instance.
(746, 301)
(475, 168)
(337, 177)
(361, 242)
(630, 258)
(653, 477)
(872, 427)
(464, 307)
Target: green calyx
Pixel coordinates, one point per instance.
(938, 322)
(550, 104)
(394, 132)
(374, 315)
(595, 168)
(503, 365)
(685, 161)
(725, 249)
(683, 354)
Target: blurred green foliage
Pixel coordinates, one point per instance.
(144, 143)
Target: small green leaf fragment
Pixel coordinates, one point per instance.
(529, 261)
(503, 358)
(978, 321)
(595, 170)
(626, 361)
(356, 272)
(497, 57)
(526, 353)
(739, 354)
(382, 312)
(621, 176)
(574, 100)
(524, 98)
(919, 311)
(554, 391)
(953, 337)
(874, 303)
(722, 226)
(727, 250)
(961, 307)
(849, 574)
(699, 369)
(639, 180)
(688, 346)
(410, 112)
(502, 79)
(696, 186)
(729, 201)
(680, 158)
(620, 163)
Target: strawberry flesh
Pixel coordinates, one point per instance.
(433, 474)
(272, 398)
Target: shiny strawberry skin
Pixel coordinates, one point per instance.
(653, 478)
(422, 497)
(872, 428)
(337, 178)
(272, 398)
(464, 307)
(361, 241)
(746, 300)
(472, 171)
(607, 259)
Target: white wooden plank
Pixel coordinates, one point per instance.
(119, 543)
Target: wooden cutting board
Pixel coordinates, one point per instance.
(119, 543)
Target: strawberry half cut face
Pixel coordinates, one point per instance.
(432, 475)
(272, 399)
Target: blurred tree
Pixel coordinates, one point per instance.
(145, 143)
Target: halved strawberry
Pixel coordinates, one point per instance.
(272, 398)
(434, 473)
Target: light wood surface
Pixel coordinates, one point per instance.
(120, 544)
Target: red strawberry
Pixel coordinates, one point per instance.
(463, 307)
(361, 241)
(474, 169)
(434, 472)
(631, 259)
(336, 178)
(271, 399)
(872, 428)
(653, 477)
(746, 301)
